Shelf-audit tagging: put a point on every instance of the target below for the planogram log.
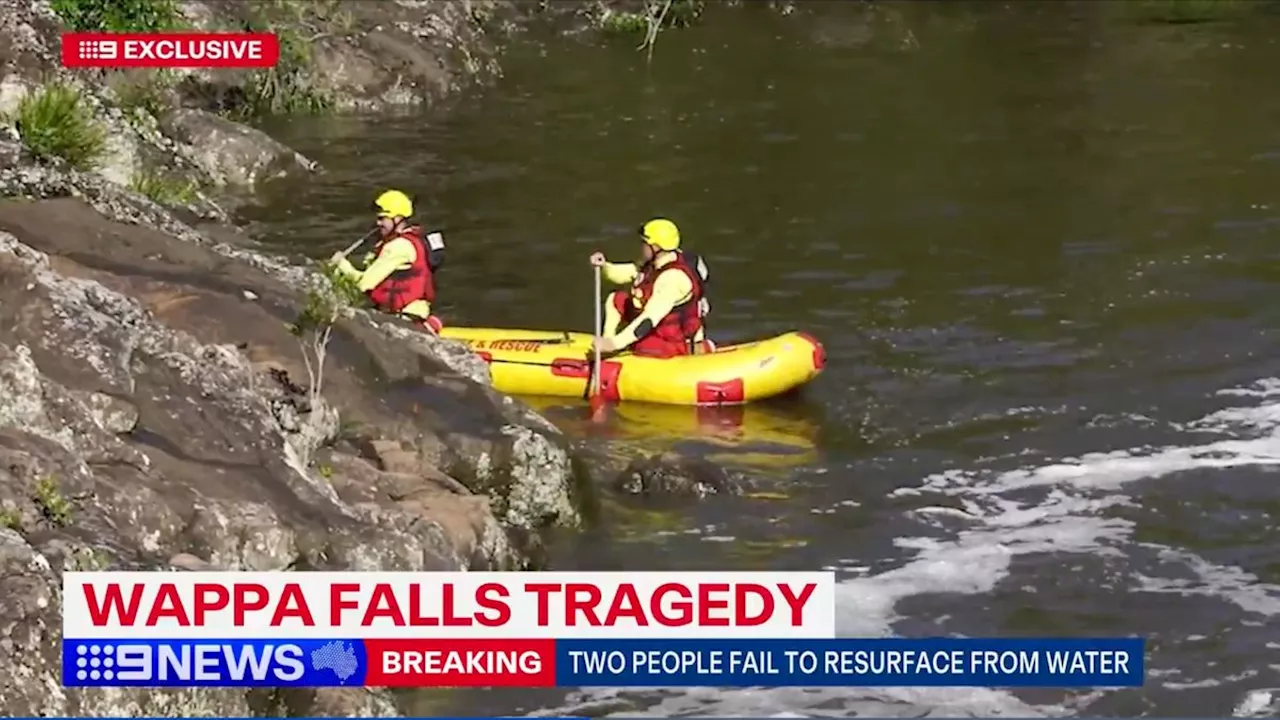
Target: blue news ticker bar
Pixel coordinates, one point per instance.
(935, 662)
(852, 663)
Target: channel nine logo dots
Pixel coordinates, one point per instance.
(94, 662)
(97, 49)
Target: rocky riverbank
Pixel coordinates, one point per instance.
(158, 406)
(155, 409)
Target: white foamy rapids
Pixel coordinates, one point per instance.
(1064, 518)
(1258, 704)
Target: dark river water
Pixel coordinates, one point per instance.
(1041, 243)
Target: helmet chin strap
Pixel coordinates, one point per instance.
(396, 225)
(659, 251)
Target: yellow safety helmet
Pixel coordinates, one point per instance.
(393, 203)
(662, 234)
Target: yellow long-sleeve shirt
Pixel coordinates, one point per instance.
(670, 290)
(397, 254)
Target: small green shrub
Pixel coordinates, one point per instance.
(343, 22)
(87, 559)
(54, 122)
(163, 188)
(313, 326)
(285, 89)
(324, 305)
(319, 17)
(11, 519)
(657, 16)
(624, 23)
(118, 15)
(54, 506)
(149, 94)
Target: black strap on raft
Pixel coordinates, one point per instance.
(591, 376)
(703, 272)
(529, 363)
(540, 341)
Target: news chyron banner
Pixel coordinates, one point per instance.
(646, 629)
(170, 50)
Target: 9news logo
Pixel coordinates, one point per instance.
(209, 663)
(119, 663)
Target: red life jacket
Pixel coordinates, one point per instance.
(410, 284)
(676, 333)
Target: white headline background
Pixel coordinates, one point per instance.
(817, 620)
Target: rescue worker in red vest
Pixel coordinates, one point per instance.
(399, 275)
(662, 314)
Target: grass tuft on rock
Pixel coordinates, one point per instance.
(656, 16)
(624, 23)
(53, 505)
(119, 15)
(148, 92)
(163, 188)
(285, 89)
(11, 519)
(54, 122)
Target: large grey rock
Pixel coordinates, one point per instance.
(483, 439)
(231, 153)
(150, 417)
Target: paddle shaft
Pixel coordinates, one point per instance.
(352, 247)
(599, 330)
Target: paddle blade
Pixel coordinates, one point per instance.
(599, 408)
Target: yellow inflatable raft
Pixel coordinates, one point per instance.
(559, 364)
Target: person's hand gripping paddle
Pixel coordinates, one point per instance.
(342, 254)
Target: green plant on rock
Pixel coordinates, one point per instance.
(348, 430)
(11, 519)
(55, 122)
(285, 89)
(337, 19)
(313, 327)
(624, 23)
(87, 559)
(119, 15)
(657, 15)
(149, 94)
(53, 505)
(164, 188)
